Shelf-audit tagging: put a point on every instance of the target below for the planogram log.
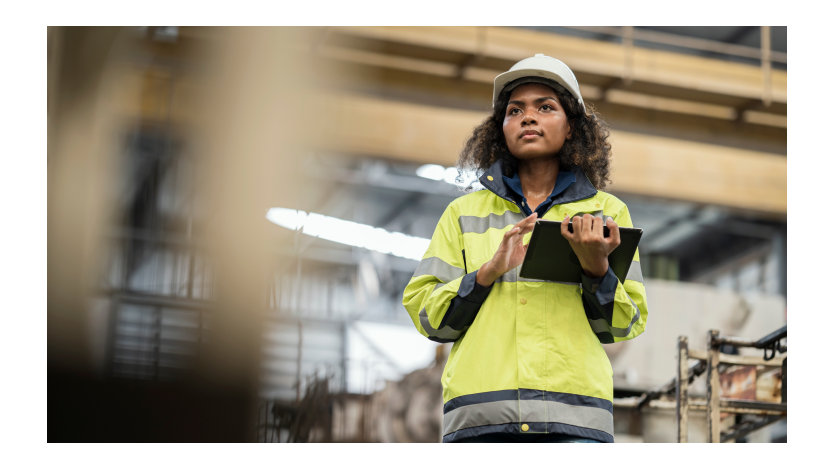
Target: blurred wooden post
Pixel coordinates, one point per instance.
(767, 91)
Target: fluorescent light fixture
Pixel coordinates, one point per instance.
(349, 233)
(431, 171)
(449, 175)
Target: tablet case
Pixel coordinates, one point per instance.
(550, 257)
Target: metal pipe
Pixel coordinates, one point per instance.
(761, 343)
(682, 411)
(747, 428)
(713, 389)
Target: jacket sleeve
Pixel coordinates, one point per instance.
(616, 311)
(441, 298)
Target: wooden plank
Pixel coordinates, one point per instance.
(642, 165)
(694, 171)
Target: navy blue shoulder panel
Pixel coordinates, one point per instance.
(581, 189)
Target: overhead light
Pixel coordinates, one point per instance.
(349, 233)
(450, 175)
(431, 171)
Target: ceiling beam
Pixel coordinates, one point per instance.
(644, 165)
(670, 74)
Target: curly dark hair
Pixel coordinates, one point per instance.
(588, 147)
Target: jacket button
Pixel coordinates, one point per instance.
(489, 177)
(523, 301)
(524, 427)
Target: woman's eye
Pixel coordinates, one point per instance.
(514, 111)
(546, 107)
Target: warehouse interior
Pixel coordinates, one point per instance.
(204, 182)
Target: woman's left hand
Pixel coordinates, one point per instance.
(589, 244)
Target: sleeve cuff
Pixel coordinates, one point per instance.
(471, 291)
(603, 288)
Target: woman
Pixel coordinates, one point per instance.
(527, 362)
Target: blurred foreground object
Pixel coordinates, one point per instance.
(222, 95)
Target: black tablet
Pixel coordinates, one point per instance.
(550, 257)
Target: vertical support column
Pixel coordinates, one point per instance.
(766, 85)
(628, 48)
(713, 389)
(298, 362)
(682, 389)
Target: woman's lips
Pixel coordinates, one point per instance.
(528, 135)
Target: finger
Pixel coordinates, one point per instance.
(588, 223)
(614, 232)
(597, 226)
(577, 224)
(564, 228)
(529, 220)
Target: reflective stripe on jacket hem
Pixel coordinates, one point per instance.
(515, 428)
(527, 406)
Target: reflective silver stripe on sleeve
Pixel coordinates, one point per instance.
(438, 268)
(439, 286)
(446, 332)
(474, 224)
(634, 272)
(515, 411)
(599, 325)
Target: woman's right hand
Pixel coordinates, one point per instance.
(510, 252)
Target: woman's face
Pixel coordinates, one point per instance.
(535, 123)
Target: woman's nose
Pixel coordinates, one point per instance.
(527, 119)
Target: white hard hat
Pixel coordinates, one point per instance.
(537, 67)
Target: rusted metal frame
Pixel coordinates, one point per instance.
(713, 389)
(682, 408)
(738, 407)
(735, 360)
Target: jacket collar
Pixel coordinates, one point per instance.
(493, 180)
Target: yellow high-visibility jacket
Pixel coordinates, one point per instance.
(527, 356)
